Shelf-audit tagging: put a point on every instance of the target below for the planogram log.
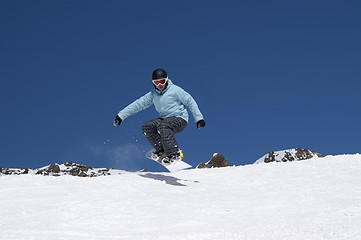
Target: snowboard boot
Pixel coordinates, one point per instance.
(157, 155)
(169, 159)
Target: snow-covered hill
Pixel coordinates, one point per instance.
(69, 168)
(315, 199)
(296, 154)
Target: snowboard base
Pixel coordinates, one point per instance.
(172, 167)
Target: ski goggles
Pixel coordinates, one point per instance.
(161, 81)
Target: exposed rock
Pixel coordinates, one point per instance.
(303, 154)
(69, 168)
(83, 174)
(68, 164)
(289, 155)
(13, 171)
(74, 171)
(202, 165)
(53, 168)
(217, 160)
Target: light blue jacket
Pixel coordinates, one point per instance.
(171, 102)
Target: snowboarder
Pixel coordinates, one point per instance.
(171, 102)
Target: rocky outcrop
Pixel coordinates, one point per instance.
(69, 168)
(14, 171)
(289, 155)
(217, 160)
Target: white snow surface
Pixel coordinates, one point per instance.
(314, 199)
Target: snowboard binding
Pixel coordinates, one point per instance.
(167, 160)
(173, 162)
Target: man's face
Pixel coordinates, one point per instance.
(160, 83)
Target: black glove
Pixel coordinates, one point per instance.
(117, 121)
(201, 124)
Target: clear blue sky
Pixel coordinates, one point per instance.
(267, 76)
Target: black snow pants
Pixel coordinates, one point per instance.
(160, 133)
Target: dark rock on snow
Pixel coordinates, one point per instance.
(217, 160)
(69, 168)
(296, 154)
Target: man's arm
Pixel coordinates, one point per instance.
(136, 106)
(189, 102)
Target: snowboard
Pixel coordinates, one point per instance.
(172, 167)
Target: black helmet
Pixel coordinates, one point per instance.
(159, 74)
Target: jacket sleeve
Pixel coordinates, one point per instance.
(136, 106)
(189, 102)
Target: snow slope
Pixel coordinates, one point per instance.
(314, 199)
